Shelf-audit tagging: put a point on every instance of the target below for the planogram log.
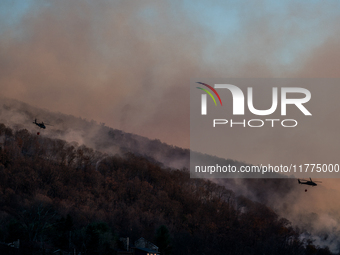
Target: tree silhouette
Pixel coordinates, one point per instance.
(163, 240)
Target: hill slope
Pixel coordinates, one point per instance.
(51, 189)
(68, 135)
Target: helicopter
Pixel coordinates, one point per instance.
(41, 125)
(311, 183)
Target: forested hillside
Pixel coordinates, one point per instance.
(54, 195)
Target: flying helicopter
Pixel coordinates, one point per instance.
(311, 183)
(41, 125)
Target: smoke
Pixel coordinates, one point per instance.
(129, 65)
(314, 210)
(99, 137)
(105, 62)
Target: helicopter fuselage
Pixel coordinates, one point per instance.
(310, 183)
(41, 125)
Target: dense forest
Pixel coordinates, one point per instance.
(55, 195)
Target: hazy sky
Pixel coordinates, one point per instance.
(128, 63)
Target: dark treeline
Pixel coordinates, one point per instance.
(54, 195)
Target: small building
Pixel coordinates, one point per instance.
(143, 251)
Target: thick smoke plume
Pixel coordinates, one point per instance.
(129, 64)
